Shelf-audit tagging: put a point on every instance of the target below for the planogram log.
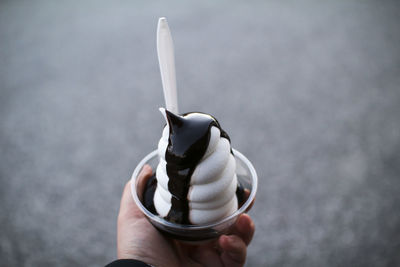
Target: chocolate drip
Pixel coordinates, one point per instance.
(148, 194)
(187, 144)
(241, 194)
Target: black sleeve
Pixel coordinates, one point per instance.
(127, 263)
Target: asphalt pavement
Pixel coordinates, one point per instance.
(309, 91)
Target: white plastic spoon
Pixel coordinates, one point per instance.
(166, 60)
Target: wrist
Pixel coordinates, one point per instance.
(136, 254)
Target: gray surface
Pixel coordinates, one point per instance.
(309, 91)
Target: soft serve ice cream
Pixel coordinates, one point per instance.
(196, 179)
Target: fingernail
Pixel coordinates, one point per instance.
(230, 238)
(226, 239)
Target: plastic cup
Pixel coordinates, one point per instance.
(247, 177)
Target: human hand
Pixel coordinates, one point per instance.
(138, 239)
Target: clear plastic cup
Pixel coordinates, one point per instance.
(247, 177)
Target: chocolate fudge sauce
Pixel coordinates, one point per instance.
(151, 185)
(187, 143)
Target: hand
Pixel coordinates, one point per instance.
(138, 239)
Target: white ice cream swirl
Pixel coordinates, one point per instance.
(212, 188)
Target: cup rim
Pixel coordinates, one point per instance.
(164, 222)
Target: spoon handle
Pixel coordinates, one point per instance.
(166, 60)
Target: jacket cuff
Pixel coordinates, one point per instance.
(127, 263)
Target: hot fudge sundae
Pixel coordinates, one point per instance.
(195, 181)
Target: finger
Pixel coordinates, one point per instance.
(244, 228)
(234, 250)
(247, 194)
(141, 180)
(250, 206)
(205, 256)
(127, 205)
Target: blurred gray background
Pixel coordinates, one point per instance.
(308, 90)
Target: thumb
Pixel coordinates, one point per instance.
(128, 207)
